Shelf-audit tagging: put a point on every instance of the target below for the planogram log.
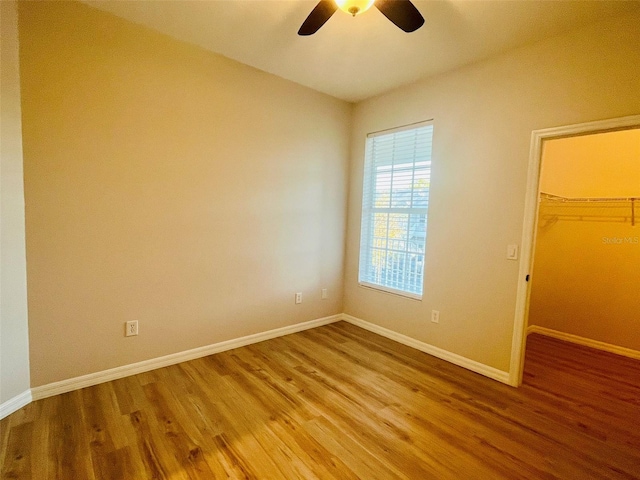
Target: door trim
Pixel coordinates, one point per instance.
(530, 222)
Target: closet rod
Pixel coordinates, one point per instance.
(557, 198)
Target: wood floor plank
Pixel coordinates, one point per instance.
(242, 421)
(70, 449)
(42, 463)
(118, 464)
(355, 455)
(16, 462)
(167, 414)
(339, 402)
(157, 458)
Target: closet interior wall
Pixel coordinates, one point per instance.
(585, 276)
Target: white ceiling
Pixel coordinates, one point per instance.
(356, 58)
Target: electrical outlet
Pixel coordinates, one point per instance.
(131, 328)
(323, 294)
(435, 316)
(298, 297)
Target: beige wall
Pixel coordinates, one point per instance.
(483, 118)
(598, 165)
(586, 276)
(169, 185)
(14, 336)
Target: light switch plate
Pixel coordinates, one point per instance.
(512, 252)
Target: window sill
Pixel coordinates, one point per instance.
(390, 291)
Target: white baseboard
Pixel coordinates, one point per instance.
(83, 381)
(14, 404)
(587, 342)
(477, 367)
(68, 385)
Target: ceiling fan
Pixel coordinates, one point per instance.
(401, 12)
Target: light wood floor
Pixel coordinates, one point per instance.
(339, 402)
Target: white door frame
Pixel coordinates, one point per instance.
(530, 225)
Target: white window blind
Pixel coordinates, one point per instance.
(397, 176)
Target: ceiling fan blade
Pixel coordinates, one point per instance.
(402, 13)
(318, 17)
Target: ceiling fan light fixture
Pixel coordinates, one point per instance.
(402, 13)
(354, 7)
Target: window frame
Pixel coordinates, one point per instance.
(370, 177)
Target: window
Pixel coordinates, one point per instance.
(397, 174)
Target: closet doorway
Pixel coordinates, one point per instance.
(580, 266)
(586, 272)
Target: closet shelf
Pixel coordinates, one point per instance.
(556, 198)
(613, 209)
